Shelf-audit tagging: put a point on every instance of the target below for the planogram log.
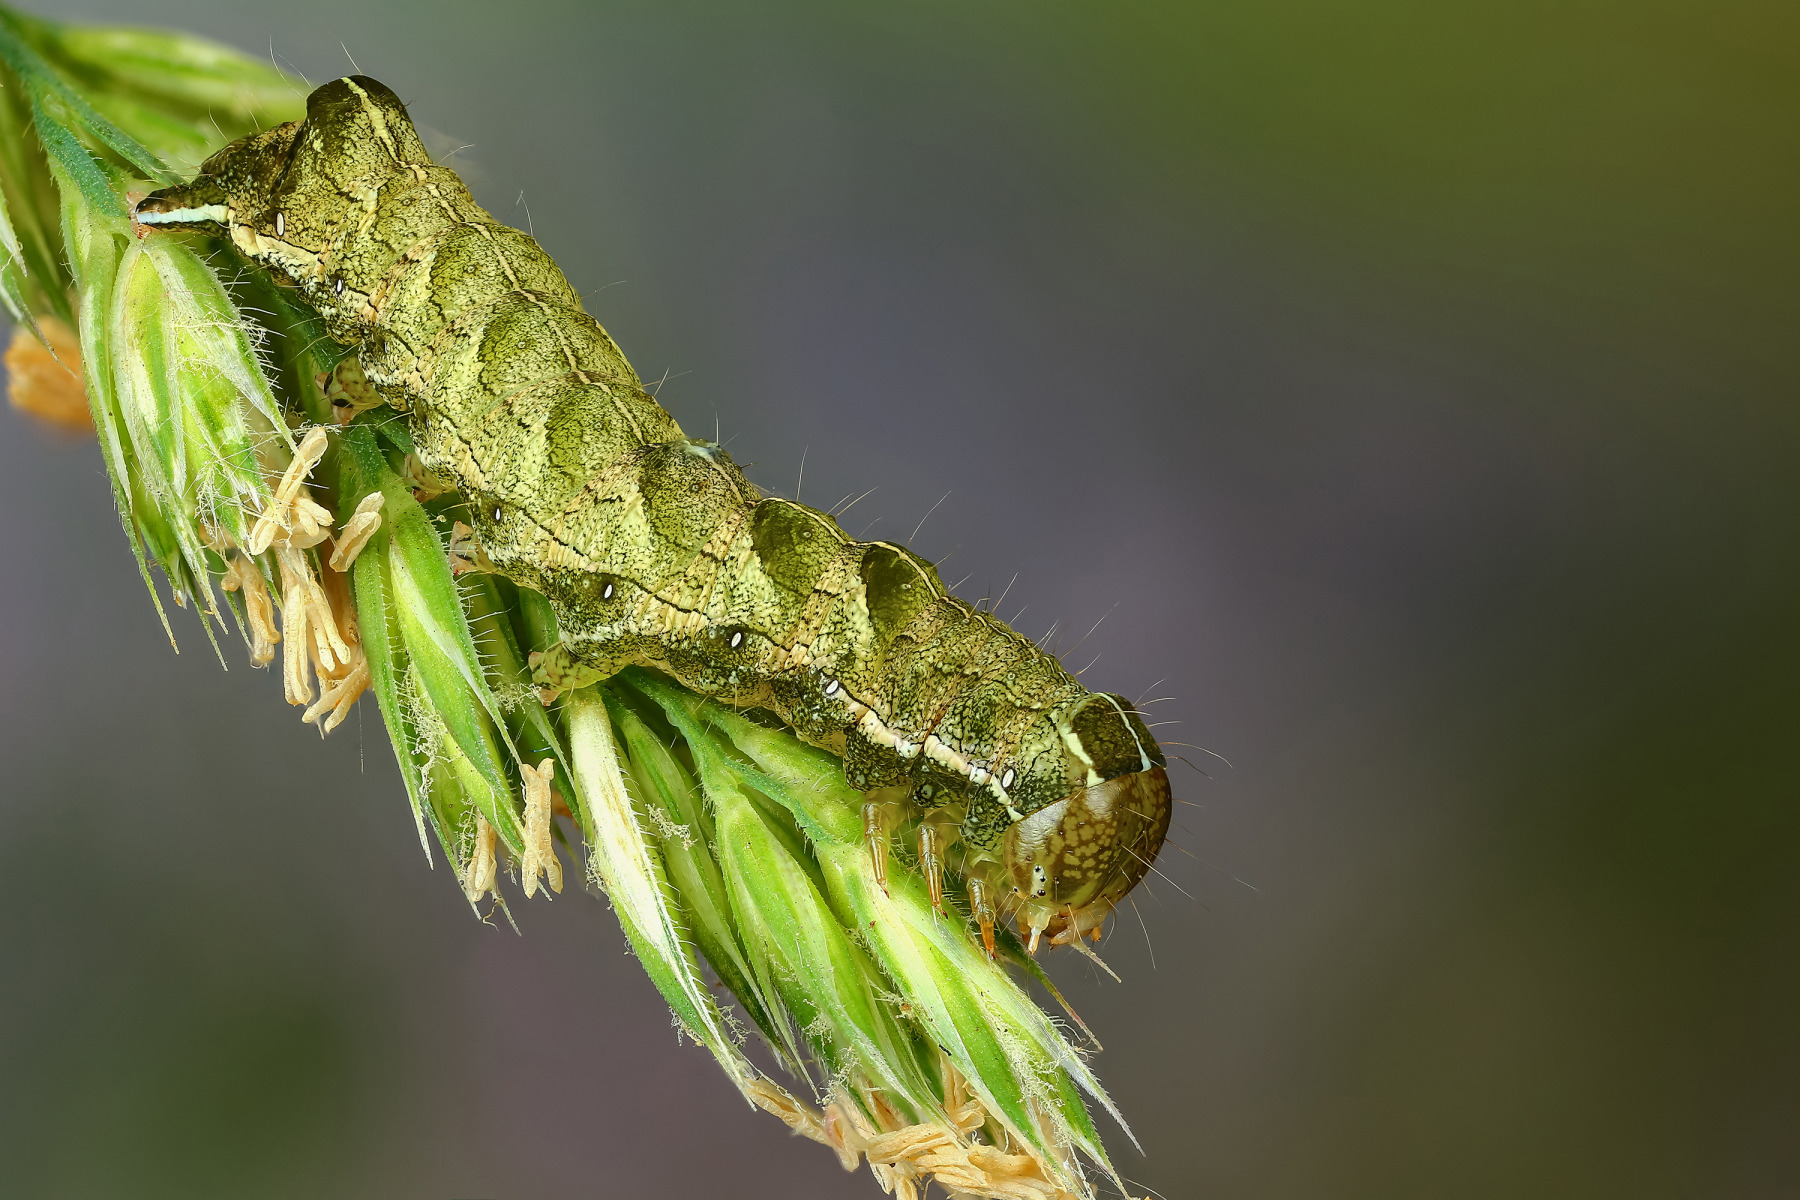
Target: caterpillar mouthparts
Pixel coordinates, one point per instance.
(654, 550)
(1070, 862)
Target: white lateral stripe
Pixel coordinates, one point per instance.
(185, 216)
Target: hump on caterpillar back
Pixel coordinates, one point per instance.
(360, 120)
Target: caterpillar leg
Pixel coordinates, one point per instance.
(466, 553)
(424, 482)
(349, 390)
(981, 905)
(556, 670)
(875, 837)
(931, 862)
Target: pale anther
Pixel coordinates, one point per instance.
(483, 871)
(338, 696)
(357, 531)
(241, 574)
(293, 518)
(540, 851)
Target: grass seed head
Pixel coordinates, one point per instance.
(721, 842)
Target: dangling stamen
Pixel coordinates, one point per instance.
(482, 871)
(357, 531)
(540, 851)
(292, 518)
(875, 838)
(259, 609)
(294, 611)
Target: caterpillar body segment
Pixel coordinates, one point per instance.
(654, 549)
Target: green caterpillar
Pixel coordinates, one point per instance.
(654, 549)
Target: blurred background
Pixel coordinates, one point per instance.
(1411, 388)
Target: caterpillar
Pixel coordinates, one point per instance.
(654, 549)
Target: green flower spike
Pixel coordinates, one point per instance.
(725, 844)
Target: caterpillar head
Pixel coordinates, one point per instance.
(1068, 863)
(228, 185)
(284, 189)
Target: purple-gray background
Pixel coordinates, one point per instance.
(1414, 390)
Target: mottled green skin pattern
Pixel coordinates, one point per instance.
(652, 547)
